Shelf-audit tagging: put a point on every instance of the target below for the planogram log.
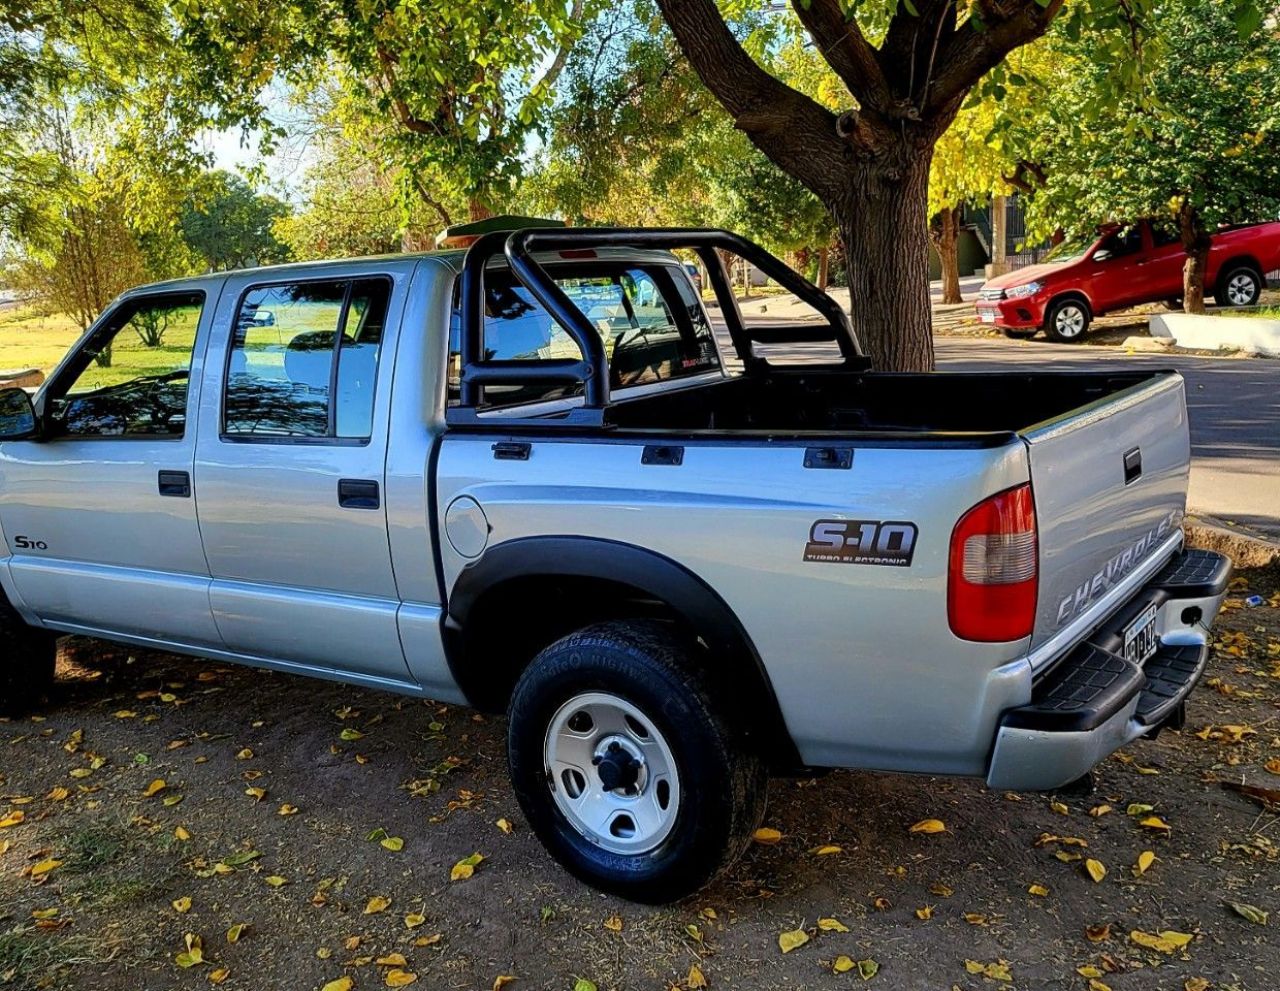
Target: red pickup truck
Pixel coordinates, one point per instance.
(1124, 266)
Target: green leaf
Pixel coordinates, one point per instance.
(1251, 912)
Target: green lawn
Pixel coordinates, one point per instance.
(30, 340)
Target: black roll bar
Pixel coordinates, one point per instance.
(592, 370)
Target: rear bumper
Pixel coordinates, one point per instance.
(1018, 314)
(1094, 701)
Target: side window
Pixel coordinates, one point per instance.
(131, 377)
(304, 360)
(1165, 233)
(1126, 241)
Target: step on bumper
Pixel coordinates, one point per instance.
(1095, 701)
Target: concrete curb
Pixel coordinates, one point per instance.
(1247, 550)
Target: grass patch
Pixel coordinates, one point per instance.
(1265, 312)
(94, 847)
(32, 958)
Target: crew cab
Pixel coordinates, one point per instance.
(534, 478)
(1125, 265)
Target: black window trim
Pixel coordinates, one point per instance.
(96, 332)
(327, 440)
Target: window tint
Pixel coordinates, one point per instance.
(1165, 233)
(648, 317)
(131, 378)
(298, 346)
(1126, 241)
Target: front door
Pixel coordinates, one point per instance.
(289, 475)
(98, 513)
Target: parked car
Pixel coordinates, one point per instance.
(492, 479)
(1124, 266)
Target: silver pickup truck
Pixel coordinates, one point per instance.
(534, 477)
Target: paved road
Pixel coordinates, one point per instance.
(1234, 406)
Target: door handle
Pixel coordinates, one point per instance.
(175, 483)
(358, 493)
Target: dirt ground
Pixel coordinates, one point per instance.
(136, 785)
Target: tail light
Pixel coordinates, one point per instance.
(993, 575)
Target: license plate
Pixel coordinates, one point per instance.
(986, 316)
(1140, 640)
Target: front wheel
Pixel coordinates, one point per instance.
(1238, 286)
(626, 769)
(1067, 321)
(28, 657)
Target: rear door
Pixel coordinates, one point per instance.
(1110, 483)
(98, 514)
(289, 473)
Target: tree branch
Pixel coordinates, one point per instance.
(969, 53)
(771, 113)
(840, 41)
(562, 56)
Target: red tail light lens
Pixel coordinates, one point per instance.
(993, 577)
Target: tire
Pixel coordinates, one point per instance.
(28, 657)
(1240, 285)
(624, 704)
(1068, 320)
(1020, 333)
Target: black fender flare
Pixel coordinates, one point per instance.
(699, 606)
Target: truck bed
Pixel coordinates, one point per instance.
(822, 402)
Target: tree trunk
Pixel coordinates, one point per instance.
(1195, 242)
(949, 253)
(824, 267)
(884, 228)
(477, 209)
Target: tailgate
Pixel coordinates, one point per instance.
(1110, 484)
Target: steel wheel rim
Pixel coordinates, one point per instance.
(1240, 289)
(1070, 321)
(595, 739)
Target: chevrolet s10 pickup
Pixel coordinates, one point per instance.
(533, 477)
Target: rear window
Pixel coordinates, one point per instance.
(648, 317)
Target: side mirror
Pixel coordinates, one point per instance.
(17, 415)
(1102, 255)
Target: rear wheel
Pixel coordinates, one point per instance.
(625, 767)
(1067, 320)
(1240, 285)
(27, 660)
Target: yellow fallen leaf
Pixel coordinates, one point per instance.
(1096, 870)
(832, 926)
(998, 971)
(376, 904)
(414, 919)
(276, 881)
(941, 890)
(1088, 970)
(929, 826)
(44, 913)
(766, 835)
(613, 924)
(1273, 766)
(792, 939)
(1155, 822)
(502, 980)
(257, 794)
(1098, 934)
(219, 975)
(181, 905)
(1097, 985)
(287, 810)
(1138, 809)
(1196, 984)
(392, 960)
(431, 940)
(505, 826)
(181, 833)
(80, 772)
(245, 754)
(842, 964)
(1166, 942)
(1039, 890)
(125, 714)
(154, 788)
(44, 867)
(343, 983)
(1099, 810)
(1060, 808)
(826, 850)
(465, 868)
(58, 794)
(12, 819)
(236, 931)
(392, 843)
(1145, 859)
(924, 913)
(696, 978)
(193, 954)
